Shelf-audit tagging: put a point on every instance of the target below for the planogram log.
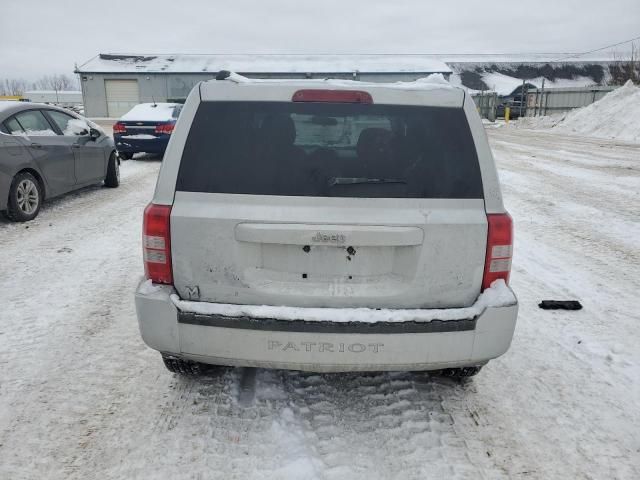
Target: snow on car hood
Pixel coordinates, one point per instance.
(498, 295)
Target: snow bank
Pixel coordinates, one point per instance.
(615, 116)
(498, 295)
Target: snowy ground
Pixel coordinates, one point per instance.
(82, 398)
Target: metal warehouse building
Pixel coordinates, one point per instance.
(112, 84)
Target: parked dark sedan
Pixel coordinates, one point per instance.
(46, 151)
(145, 128)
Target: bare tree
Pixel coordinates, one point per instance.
(56, 82)
(13, 86)
(626, 66)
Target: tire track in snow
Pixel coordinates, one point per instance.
(385, 425)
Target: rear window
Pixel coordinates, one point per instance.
(330, 149)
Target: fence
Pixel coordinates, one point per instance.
(547, 101)
(486, 103)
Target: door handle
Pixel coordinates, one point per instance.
(75, 145)
(36, 145)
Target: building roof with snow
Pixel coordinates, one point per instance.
(272, 63)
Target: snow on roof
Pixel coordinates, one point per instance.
(506, 85)
(290, 63)
(150, 112)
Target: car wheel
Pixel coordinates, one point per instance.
(25, 197)
(125, 156)
(182, 367)
(112, 179)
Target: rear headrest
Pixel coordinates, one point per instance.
(278, 129)
(374, 142)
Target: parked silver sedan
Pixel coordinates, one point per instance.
(46, 151)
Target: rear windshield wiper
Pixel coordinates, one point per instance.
(360, 180)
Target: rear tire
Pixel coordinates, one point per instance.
(25, 198)
(182, 367)
(460, 373)
(112, 180)
(125, 156)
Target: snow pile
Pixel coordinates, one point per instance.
(434, 78)
(615, 116)
(150, 112)
(498, 295)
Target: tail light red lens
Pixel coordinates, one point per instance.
(165, 128)
(332, 96)
(156, 243)
(119, 127)
(499, 249)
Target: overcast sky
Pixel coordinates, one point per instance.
(45, 36)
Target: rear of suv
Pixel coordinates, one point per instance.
(327, 226)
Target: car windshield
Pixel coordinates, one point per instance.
(315, 149)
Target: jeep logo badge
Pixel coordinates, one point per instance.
(329, 238)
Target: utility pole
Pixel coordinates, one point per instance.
(541, 95)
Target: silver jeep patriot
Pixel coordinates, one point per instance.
(327, 226)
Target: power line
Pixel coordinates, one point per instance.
(599, 49)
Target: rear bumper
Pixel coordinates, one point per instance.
(135, 145)
(321, 346)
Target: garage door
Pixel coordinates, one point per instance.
(122, 95)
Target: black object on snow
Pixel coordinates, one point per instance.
(560, 305)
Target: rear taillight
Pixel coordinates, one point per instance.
(165, 128)
(332, 96)
(156, 243)
(499, 249)
(119, 127)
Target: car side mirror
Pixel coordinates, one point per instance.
(94, 133)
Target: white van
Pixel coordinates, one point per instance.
(327, 226)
